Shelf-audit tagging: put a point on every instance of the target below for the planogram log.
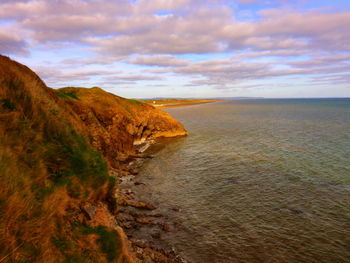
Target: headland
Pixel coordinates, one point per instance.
(63, 155)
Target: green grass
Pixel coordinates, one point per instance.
(108, 241)
(40, 191)
(136, 102)
(76, 158)
(60, 243)
(67, 95)
(69, 251)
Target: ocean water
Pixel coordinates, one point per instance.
(256, 181)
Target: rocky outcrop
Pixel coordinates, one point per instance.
(115, 124)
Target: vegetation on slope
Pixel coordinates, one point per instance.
(48, 170)
(56, 146)
(106, 115)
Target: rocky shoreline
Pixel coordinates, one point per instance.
(134, 213)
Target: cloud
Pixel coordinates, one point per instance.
(332, 80)
(91, 61)
(177, 34)
(325, 61)
(226, 73)
(190, 26)
(247, 1)
(33, 8)
(53, 74)
(135, 77)
(161, 61)
(152, 34)
(252, 54)
(224, 67)
(11, 43)
(160, 5)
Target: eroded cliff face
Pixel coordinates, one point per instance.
(57, 198)
(115, 124)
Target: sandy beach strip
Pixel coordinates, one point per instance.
(167, 104)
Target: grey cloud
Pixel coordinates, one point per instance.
(53, 74)
(154, 43)
(269, 43)
(224, 72)
(124, 28)
(267, 53)
(31, 8)
(12, 44)
(158, 5)
(247, 1)
(132, 77)
(322, 61)
(162, 61)
(90, 61)
(108, 83)
(224, 66)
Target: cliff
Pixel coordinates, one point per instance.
(116, 124)
(56, 147)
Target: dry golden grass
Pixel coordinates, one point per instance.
(47, 169)
(115, 123)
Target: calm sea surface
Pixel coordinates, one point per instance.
(257, 181)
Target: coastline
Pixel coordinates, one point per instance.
(135, 213)
(142, 221)
(167, 104)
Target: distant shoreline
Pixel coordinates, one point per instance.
(174, 103)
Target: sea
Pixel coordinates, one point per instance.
(263, 180)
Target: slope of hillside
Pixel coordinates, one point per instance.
(56, 196)
(116, 124)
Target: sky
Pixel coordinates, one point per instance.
(184, 48)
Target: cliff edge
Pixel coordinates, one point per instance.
(56, 147)
(116, 124)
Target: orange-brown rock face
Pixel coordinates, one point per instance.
(116, 124)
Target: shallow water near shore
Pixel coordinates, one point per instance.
(255, 181)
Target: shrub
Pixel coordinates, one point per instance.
(8, 105)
